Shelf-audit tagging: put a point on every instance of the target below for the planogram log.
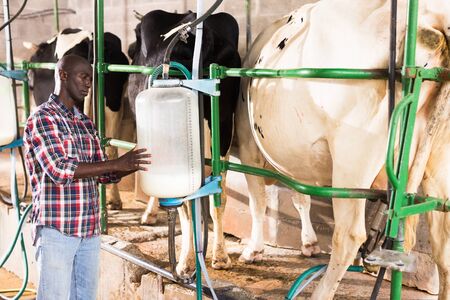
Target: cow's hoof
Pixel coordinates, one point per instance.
(149, 219)
(114, 205)
(249, 256)
(223, 263)
(309, 250)
(184, 273)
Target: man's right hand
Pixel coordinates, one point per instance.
(133, 161)
(128, 163)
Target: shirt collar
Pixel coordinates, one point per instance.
(69, 112)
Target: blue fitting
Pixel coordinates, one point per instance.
(170, 202)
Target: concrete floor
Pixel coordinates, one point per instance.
(269, 279)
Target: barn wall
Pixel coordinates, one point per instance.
(119, 18)
(35, 30)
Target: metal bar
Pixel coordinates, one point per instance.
(101, 101)
(305, 73)
(144, 264)
(399, 109)
(34, 65)
(394, 226)
(435, 74)
(403, 160)
(56, 15)
(303, 188)
(444, 204)
(25, 94)
(215, 130)
(119, 144)
(418, 208)
(248, 27)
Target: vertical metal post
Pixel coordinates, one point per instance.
(395, 227)
(10, 57)
(99, 49)
(248, 27)
(56, 15)
(215, 130)
(25, 93)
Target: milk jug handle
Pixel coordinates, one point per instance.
(159, 70)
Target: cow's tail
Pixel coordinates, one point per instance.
(411, 223)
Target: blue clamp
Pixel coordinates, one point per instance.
(15, 74)
(14, 144)
(211, 187)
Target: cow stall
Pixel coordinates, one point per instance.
(218, 165)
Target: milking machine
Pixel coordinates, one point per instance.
(411, 77)
(169, 119)
(174, 99)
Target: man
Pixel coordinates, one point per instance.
(65, 162)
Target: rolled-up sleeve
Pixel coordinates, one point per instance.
(50, 152)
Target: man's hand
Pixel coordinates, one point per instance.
(132, 161)
(126, 164)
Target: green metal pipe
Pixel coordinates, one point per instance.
(119, 144)
(215, 131)
(394, 226)
(35, 65)
(303, 188)
(129, 69)
(56, 15)
(399, 195)
(399, 109)
(304, 73)
(25, 93)
(101, 101)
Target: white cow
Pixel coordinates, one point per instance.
(334, 132)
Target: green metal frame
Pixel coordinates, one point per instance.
(402, 204)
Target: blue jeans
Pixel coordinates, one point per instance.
(68, 266)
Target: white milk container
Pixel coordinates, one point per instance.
(168, 126)
(8, 112)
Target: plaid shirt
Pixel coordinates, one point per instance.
(56, 139)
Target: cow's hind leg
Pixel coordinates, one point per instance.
(309, 239)
(257, 203)
(220, 260)
(186, 261)
(150, 215)
(349, 234)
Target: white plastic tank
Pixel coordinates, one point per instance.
(168, 126)
(7, 112)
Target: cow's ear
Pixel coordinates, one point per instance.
(30, 46)
(144, 45)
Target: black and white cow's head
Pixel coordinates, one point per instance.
(78, 42)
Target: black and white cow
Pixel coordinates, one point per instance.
(79, 42)
(220, 42)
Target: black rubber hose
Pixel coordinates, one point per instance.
(176, 38)
(15, 16)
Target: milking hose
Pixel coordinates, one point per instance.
(15, 16)
(189, 27)
(313, 273)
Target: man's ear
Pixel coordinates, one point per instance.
(62, 75)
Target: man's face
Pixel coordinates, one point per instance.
(79, 81)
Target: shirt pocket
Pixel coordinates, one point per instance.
(70, 147)
(88, 147)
